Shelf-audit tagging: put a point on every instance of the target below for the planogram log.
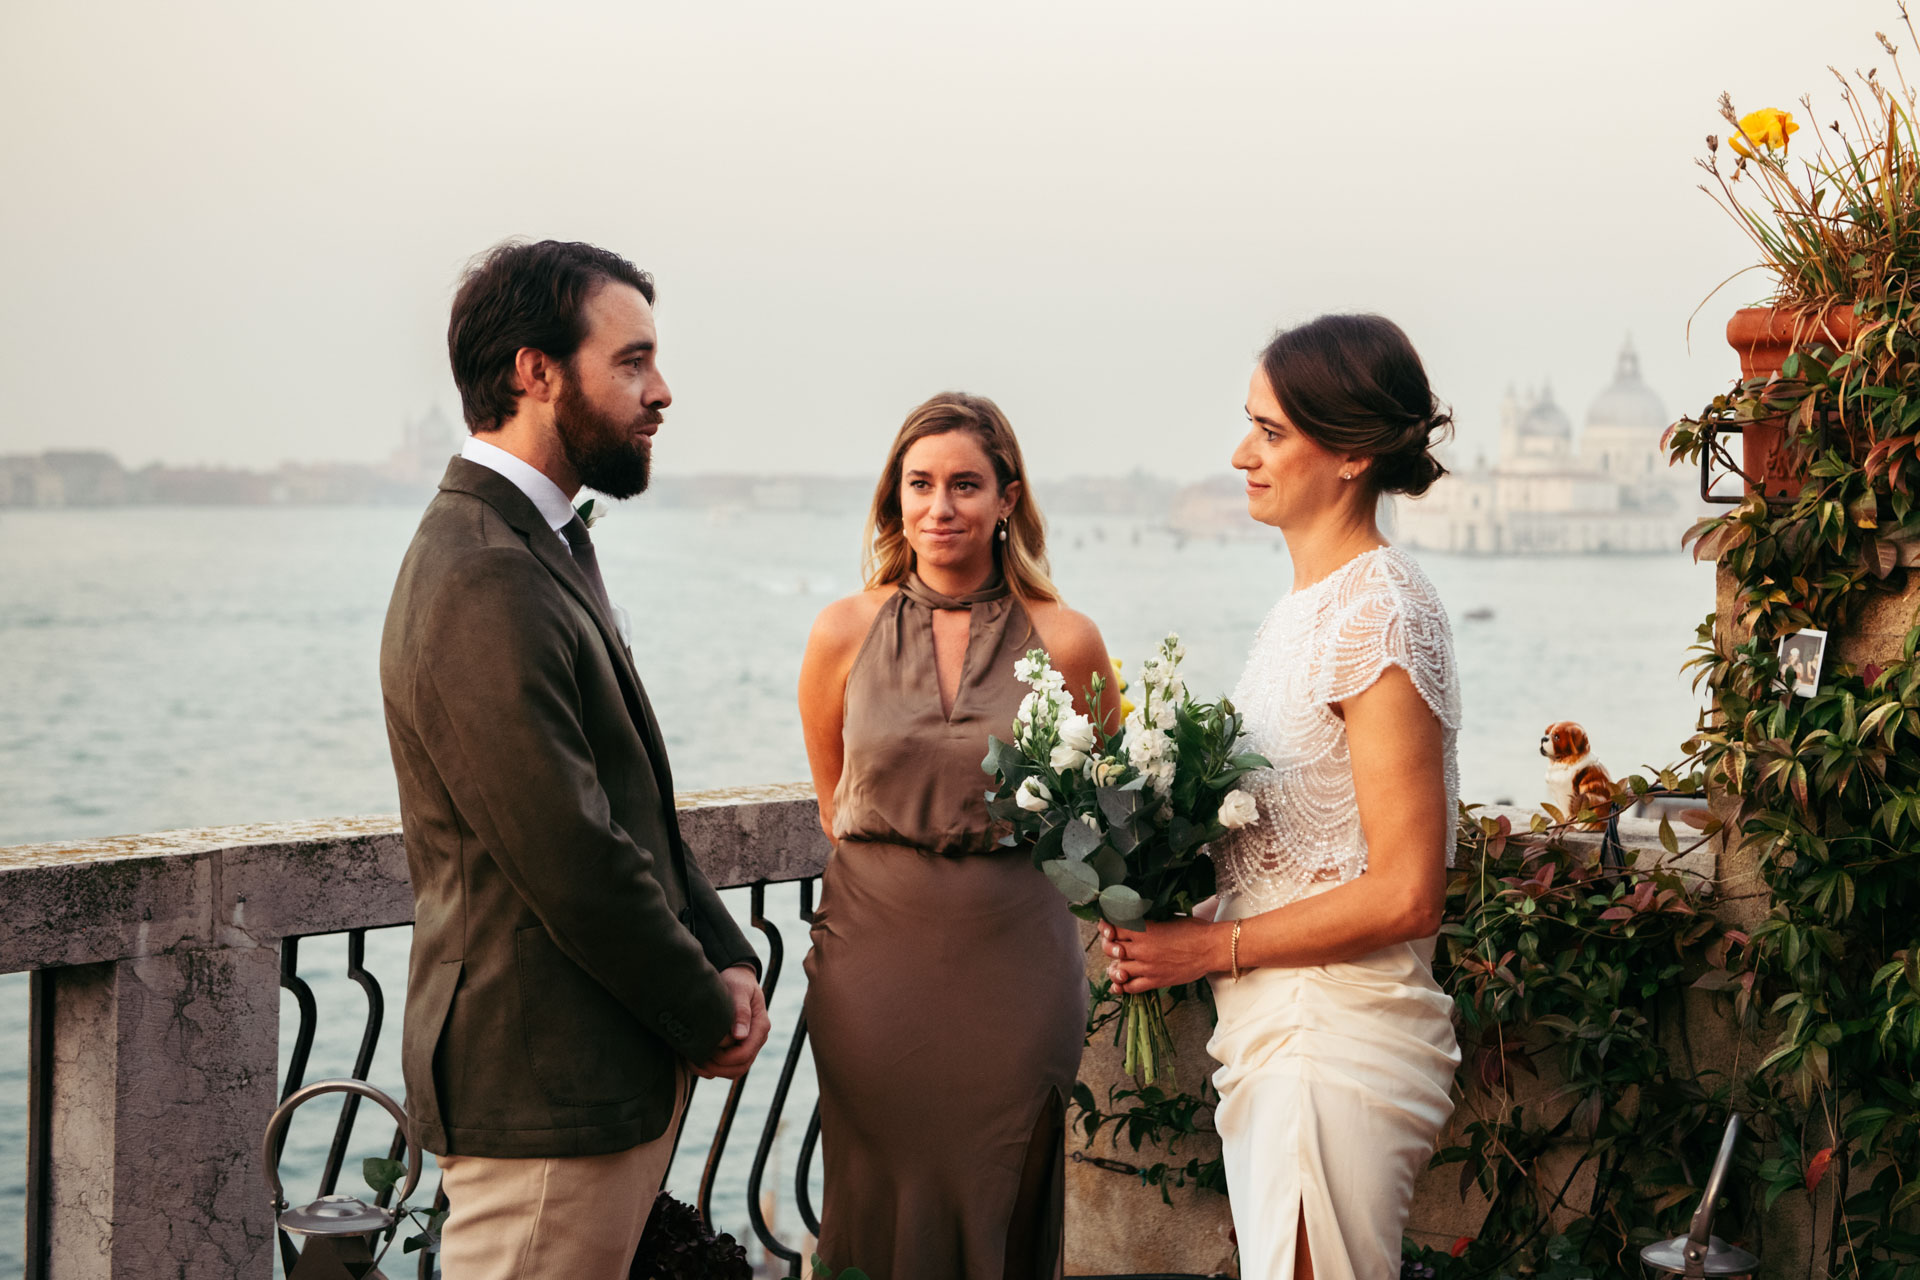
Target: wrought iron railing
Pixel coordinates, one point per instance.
(157, 1049)
(719, 1145)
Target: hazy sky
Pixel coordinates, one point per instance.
(231, 231)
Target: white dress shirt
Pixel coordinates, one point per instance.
(544, 494)
(528, 479)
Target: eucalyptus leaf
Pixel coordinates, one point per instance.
(1122, 906)
(1076, 881)
(1118, 804)
(1112, 868)
(1079, 840)
(1123, 837)
(1004, 759)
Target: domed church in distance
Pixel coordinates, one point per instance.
(1610, 491)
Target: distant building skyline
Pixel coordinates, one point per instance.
(232, 236)
(1546, 493)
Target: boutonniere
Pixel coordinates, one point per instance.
(590, 512)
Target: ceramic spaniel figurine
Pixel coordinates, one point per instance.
(1575, 780)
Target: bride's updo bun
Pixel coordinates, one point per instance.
(1354, 384)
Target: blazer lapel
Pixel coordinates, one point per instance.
(500, 493)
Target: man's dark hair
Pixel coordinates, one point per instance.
(524, 295)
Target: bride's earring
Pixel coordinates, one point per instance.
(1001, 531)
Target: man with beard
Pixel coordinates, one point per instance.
(571, 966)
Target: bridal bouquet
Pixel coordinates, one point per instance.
(1120, 822)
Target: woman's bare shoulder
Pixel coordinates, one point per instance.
(842, 625)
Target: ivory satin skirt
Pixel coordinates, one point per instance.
(1335, 1082)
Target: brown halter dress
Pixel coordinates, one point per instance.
(946, 994)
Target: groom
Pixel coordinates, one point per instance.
(571, 966)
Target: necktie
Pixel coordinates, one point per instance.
(575, 532)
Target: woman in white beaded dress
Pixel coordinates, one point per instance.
(1336, 1047)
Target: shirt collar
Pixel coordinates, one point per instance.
(528, 479)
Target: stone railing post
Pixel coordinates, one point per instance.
(163, 1072)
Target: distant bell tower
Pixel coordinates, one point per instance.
(1509, 425)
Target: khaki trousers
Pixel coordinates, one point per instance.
(555, 1218)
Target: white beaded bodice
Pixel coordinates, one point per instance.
(1321, 645)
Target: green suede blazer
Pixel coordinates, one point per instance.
(565, 948)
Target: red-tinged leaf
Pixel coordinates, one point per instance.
(1460, 1246)
(1617, 913)
(1817, 1167)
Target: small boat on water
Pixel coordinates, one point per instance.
(1483, 613)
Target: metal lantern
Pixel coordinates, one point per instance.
(1700, 1253)
(340, 1231)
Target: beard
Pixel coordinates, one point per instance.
(600, 447)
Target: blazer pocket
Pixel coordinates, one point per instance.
(584, 1047)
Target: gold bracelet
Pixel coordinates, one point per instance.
(1233, 951)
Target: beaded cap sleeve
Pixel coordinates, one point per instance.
(1321, 645)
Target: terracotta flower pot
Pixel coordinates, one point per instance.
(1764, 337)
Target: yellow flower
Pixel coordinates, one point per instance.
(1769, 127)
(1120, 687)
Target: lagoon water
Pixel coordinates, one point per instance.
(180, 667)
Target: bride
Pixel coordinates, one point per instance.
(1336, 1047)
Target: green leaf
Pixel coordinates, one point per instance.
(1110, 866)
(381, 1174)
(1076, 881)
(1123, 907)
(1079, 840)
(1117, 805)
(1005, 760)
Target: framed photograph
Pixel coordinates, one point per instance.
(1801, 656)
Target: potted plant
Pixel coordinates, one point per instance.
(1835, 227)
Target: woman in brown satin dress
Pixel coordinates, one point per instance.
(946, 992)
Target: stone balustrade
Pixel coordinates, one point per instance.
(157, 1022)
(157, 1013)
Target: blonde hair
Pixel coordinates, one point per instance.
(1022, 557)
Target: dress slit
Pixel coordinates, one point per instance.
(1036, 1227)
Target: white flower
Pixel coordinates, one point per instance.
(1064, 757)
(1164, 715)
(1105, 771)
(1146, 748)
(1033, 796)
(1090, 820)
(1237, 809)
(1160, 777)
(1028, 669)
(1077, 732)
